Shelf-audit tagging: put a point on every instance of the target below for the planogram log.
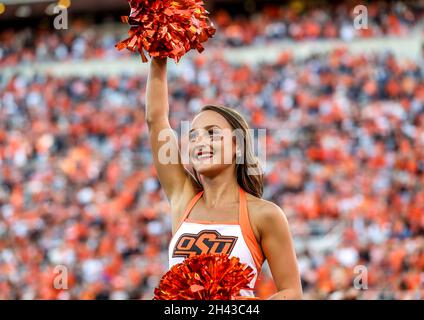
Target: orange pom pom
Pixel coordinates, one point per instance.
(167, 28)
(205, 277)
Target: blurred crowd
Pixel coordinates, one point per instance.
(297, 22)
(345, 156)
(293, 21)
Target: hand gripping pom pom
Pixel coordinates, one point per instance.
(166, 28)
(205, 277)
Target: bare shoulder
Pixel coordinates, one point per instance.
(264, 214)
(263, 208)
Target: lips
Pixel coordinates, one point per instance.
(202, 155)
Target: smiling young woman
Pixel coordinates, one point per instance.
(217, 208)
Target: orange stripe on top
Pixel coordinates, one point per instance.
(248, 234)
(244, 222)
(227, 223)
(189, 207)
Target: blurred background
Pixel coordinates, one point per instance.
(343, 109)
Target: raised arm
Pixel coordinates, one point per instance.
(173, 177)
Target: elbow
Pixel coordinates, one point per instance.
(152, 118)
(149, 117)
(149, 121)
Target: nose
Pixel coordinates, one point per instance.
(202, 139)
(200, 145)
(201, 142)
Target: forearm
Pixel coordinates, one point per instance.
(287, 294)
(157, 105)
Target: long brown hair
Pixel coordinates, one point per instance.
(251, 183)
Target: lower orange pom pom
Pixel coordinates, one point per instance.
(205, 277)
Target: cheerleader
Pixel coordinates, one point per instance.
(217, 204)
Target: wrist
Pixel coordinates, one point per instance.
(160, 61)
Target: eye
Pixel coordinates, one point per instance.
(192, 136)
(215, 134)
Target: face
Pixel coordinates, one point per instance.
(211, 144)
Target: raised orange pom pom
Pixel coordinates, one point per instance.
(167, 28)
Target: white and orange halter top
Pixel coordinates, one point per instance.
(232, 238)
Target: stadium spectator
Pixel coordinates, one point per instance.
(79, 190)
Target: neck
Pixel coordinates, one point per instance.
(220, 189)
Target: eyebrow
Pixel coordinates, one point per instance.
(206, 128)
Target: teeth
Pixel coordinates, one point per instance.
(204, 156)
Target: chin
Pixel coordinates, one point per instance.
(209, 170)
(206, 170)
